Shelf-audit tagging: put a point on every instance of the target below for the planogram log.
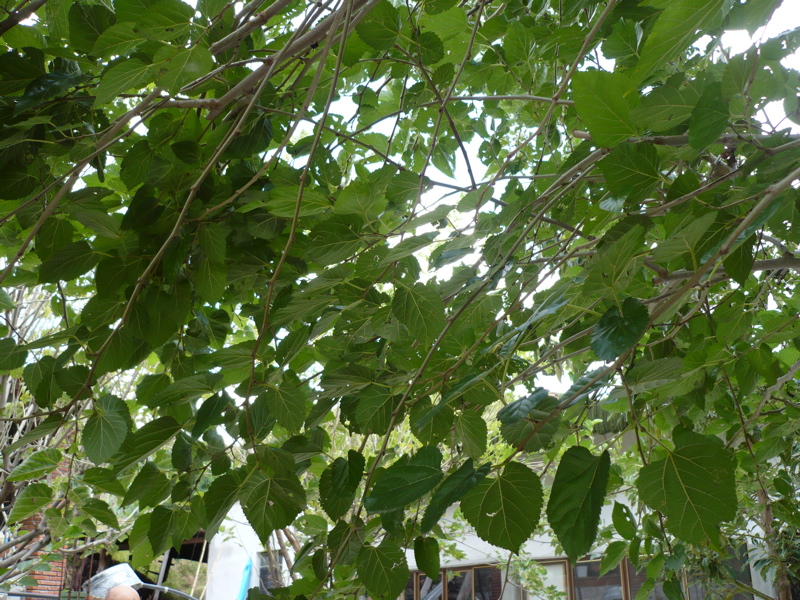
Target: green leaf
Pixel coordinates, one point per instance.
(623, 42)
(40, 379)
(143, 442)
(50, 425)
(613, 555)
(420, 308)
(505, 510)
(381, 27)
(71, 261)
(222, 494)
(631, 171)
(375, 408)
(104, 480)
(694, 486)
(6, 303)
(672, 589)
(127, 75)
(106, 430)
(180, 66)
(139, 543)
(100, 510)
(383, 569)
(429, 48)
(576, 499)
(623, 520)
(360, 198)
(184, 390)
(283, 202)
(273, 504)
(37, 465)
(16, 73)
(675, 29)
(426, 555)
(453, 488)
(602, 105)
(163, 523)
(150, 487)
(709, 117)
(165, 20)
(16, 182)
(47, 87)
(134, 170)
(86, 23)
(212, 239)
(117, 40)
(288, 405)
(618, 330)
(752, 15)
(31, 500)
(739, 263)
(471, 429)
(406, 481)
(210, 279)
(666, 107)
(408, 246)
(332, 242)
(151, 385)
(528, 422)
(11, 356)
(687, 239)
(339, 482)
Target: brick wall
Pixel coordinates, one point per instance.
(47, 582)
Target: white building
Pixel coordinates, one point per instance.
(479, 575)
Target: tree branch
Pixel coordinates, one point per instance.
(16, 17)
(235, 37)
(785, 262)
(682, 140)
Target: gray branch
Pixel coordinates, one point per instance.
(785, 262)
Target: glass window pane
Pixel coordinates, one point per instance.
(737, 567)
(555, 576)
(589, 585)
(636, 581)
(269, 570)
(428, 588)
(459, 585)
(488, 583)
(408, 594)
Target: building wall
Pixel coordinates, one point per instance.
(230, 550)
(47, 582)
(228, 554)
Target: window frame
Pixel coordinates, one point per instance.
(418, 575)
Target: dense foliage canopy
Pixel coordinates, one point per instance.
(316, 257)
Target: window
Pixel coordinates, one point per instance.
(270, 573)
(697, 587)
(588, 584)
(555, 577)
(488, 583)
(464, 583)
(636, 581)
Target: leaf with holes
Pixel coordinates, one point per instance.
(505, 510)
(383, 569)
